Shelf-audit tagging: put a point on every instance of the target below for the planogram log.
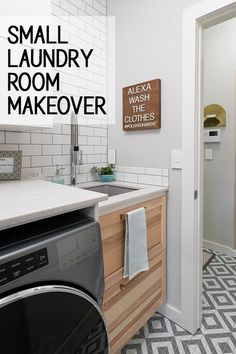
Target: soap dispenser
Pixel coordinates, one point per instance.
(58, 178)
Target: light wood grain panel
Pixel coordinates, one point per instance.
(143, 315)
(113, 284)
(113, 232)
(129, 304)
(130, 309)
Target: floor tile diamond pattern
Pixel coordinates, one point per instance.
(217, 334)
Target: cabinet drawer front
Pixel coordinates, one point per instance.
(115, 283)
(113, 232)
(135, 303)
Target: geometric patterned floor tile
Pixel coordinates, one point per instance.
(217, 334)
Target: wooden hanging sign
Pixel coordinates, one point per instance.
(142, 106)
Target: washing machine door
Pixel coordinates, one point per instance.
(51, 320)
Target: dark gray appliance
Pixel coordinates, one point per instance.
(51, 287)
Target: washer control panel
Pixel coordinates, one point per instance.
(78, 248)
(21, 266)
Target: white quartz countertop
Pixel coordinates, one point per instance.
(142, 193)
(29, 200)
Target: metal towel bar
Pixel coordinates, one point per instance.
(122, 216)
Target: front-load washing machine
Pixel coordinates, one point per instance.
(51, 287)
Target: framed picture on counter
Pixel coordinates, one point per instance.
(10, 165)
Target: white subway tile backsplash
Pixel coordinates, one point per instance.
(129, 177)
(81, 178)
(83, 35)
(157, 180)
(61, 160)
(93, 158)
(58, 11)
(66, 170)
(86, 131)
(28, 172)
(100, 132)
(92, 30)
(2, 137)
(82, 140)
(17, 138)
(119, 176)
(67, 180)
(152, 176)
(56, 2)
(84, 168)
(61, 139)
(52, 149)
(25, 161)
(100, 149)
(89, 2)
(145, 179)
(91, 11)
(104, 159)
(66, 5)
(165, 172)
(91, 177)
(165, 181)
(30, 150)
(66, 129)
(99, 7)
(93, 140)
(66, 149)
(85, 159)
(140, 170)
(103, 2)
(104, 141)
(79, 3)
(37, 138)
(64, 77)
(124, 169)
(55, 130)
(49, 171)
(154, 171)
(87, 149)
(37, 161)
(8, 147)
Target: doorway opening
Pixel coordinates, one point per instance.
(195, 20)
(219, 136)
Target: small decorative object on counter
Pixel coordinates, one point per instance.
(105, 174)
(10, 165)
(58, 178)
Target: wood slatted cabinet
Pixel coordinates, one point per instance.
(129, 304)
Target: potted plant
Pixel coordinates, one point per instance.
(105, 174)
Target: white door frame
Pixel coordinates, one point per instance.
(202, 14)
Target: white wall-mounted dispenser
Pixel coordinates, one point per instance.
(212, 136)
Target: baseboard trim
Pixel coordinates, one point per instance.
(219, 248)
(172, 313)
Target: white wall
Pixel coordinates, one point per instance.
(219, 174)
(149, 46)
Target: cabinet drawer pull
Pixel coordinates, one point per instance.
(122, 216)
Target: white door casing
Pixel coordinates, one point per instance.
(195, 18)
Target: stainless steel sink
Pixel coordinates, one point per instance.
(110, 190)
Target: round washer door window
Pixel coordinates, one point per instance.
(51, 320)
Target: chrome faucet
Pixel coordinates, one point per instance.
(76, 154)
